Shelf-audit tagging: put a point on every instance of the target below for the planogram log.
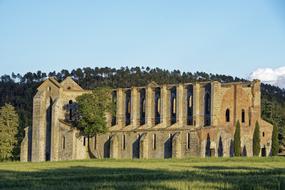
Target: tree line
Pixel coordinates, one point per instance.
(18, 90)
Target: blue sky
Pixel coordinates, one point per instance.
(221, 36)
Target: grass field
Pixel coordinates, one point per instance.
(192, 173)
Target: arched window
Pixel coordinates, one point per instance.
(124, 142)
(188, 140)
(227, 115)
(154, 141)
(70, 109)
(95, 142)
(242, 116)
(63, 142)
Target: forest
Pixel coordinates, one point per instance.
(18, 90)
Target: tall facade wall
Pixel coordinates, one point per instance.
(155, 121)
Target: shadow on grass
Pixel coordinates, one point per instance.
(80, 177)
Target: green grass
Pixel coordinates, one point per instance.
(192, 173)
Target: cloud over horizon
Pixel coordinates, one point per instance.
(271, 76)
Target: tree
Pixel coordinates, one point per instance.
(91, 112)
(274, 144)
(9, 123)
(237, 143)
(256, 140)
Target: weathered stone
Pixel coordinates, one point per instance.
(210, 134)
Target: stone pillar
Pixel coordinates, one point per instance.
(114, 147)
(25, 147)
(39, 127)
(120, 108)
(181, 104)
(196, 107)
(150, 120)
(135, 101)
(57, 107)
(215, 106)
(177, 146)
(165, 101)
(144, 144)
(256, 102)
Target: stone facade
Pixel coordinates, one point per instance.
(155, 121)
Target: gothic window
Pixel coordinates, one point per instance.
(124, 142)
(207, 106)
(157, 105)
(114, 101)
(227, 115)
(173, 105)
(154, 141)
(188, 140)
(242, 116)
(63, 142)
(128, 107)
(70, 109)
(142, 106)
(190, 105)
(263, 134)
(95, 142)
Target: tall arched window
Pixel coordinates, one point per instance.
(207, 111)
(63, 142)
(157, 105)
(188, 140)
(242, 116)
(227, 115)
(70, 109)
(124, 142)
(154, 141)
(114, 114)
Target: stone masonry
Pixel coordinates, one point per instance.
(154, 121)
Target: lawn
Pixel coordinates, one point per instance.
(192, 173)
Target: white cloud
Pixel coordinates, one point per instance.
(270, 76)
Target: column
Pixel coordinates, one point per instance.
(135, 115)
(196, 107)
(150, 106)
(181, 104)
(165, 102)
(120, 107)
(39, 127)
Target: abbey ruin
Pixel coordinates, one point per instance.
(154, 121)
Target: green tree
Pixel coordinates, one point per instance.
(237, 144)
(256, 140)
(91, 113)
(275, 144)
(9, 122)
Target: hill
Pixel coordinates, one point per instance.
(19, 89)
